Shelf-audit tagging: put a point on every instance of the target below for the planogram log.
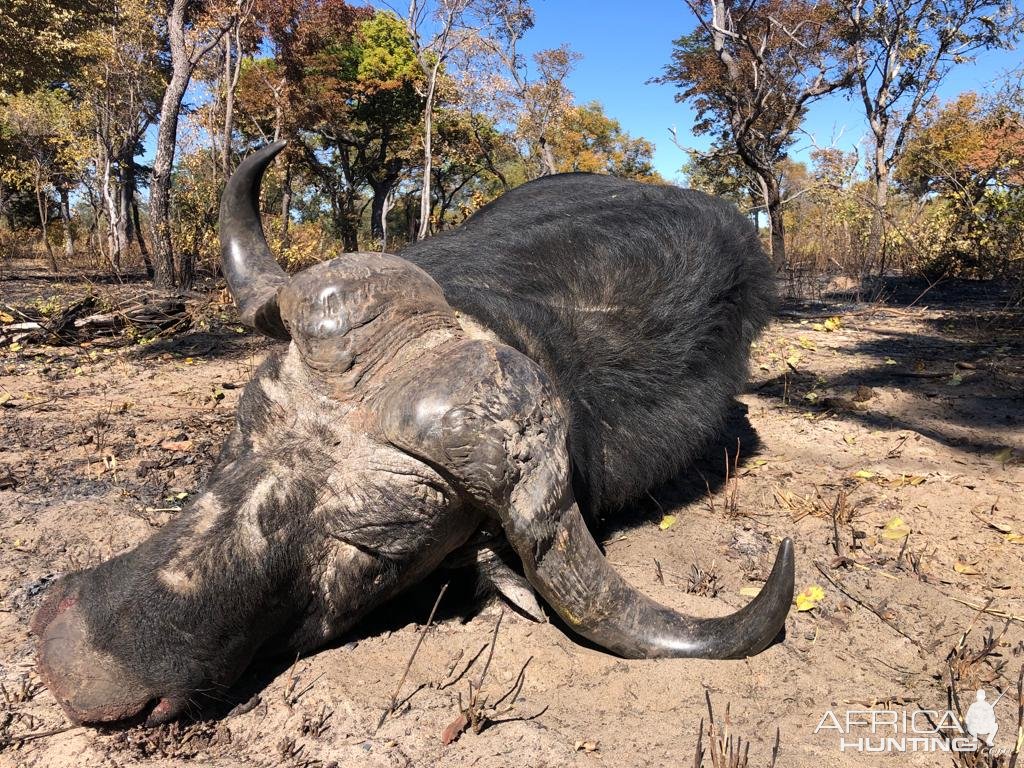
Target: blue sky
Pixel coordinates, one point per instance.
(625, 44)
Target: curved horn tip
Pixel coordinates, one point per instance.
(775, 599)
(250, 268)
(271, 150)
(785, 560)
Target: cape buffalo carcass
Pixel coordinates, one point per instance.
(573, 344)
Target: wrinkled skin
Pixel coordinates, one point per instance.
(387, 434)
(417, 425)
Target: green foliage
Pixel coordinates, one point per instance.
(966, 162)
(45, 139)
(381, 52)
(721, 172)
(586, 139)
(40, 40)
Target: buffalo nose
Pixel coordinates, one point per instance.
(91, 685)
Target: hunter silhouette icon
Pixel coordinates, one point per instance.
(981, 718)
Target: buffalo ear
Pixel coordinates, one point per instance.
(253, 274)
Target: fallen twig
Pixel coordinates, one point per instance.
(990, 611)
(419, 641)
(881, 616)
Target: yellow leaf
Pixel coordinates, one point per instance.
(849, 439)
(667, 522)
(4, 397)
(15, 347)
(895, 529)
(806, 343)
(890, 361)
(5, 318)
(750, 591)
(863, 474)
(1015, 538)
(793, 359)
(965, 568)
(809, 598)
(1004, 457)
(833, 324)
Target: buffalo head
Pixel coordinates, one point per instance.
(374, 445)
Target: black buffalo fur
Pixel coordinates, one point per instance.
(640, 301)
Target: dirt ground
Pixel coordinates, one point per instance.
(887, 443)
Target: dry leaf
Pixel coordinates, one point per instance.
(750, 591)
(1014, 538)
(176, 445)
(895, 529)
(1004, 457)
(454, 729)
(809, 598)
(965, 568)
(1001, 527)
(864, 474)
(667, 522)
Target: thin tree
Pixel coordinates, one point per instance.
(188, 42)
(751, 70)
(901, 51)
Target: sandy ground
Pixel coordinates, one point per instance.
(897, 431)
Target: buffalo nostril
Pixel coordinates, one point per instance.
(168, 708)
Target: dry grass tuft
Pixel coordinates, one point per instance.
(725, 749)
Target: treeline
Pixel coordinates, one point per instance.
(935, 188)
(399, 126)
(396, 127)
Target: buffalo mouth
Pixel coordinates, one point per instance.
(92, 686)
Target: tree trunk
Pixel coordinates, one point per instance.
(187, 269)
(347, 225)
(876, 236)
(232, 70)
(124, 212)
(428, 158)
(160, 186)
(43, 219)
(286, 203)
(377, 214)
(183, 64)
(547, 158)
(65, 214)
(143, 250)
(777, 229)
